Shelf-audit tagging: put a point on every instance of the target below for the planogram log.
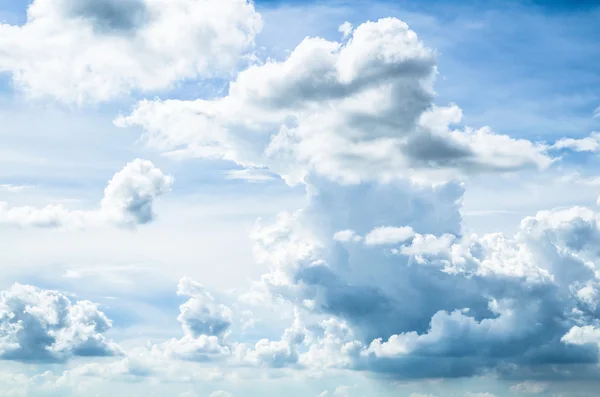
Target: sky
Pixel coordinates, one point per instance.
(219, 198)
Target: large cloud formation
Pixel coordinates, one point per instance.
(360, 109)
(436, 303)
(94, 50)
(127, 202)
(41, 325)
(377, 262)
(376, 266)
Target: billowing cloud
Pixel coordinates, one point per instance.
(356, 110)
(42, 325)
(275, 354)
(94, 50)
(205, 324)
(200, 315)
(474, 303)
(127, 202)
(376, 266)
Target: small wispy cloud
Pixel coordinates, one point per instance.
(13, 188)
(253, 175)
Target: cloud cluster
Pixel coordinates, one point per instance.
(376, 266)
(360, 109)
(428, 301)
(41, 325)
(95, 50)
(127, 202)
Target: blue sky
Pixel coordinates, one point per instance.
(220, 198)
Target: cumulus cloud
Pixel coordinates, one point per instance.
(345, 29)
(588, 334)
(42, 325)
(200, 315)
(94, 50)
(474, 303)
(385, 235)
(590, 143)
(274, 354)
(346, 236)
(353, 111)
(377, 259)
(205, 324)
(127, 202)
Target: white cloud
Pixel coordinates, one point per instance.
(127, 202)
(346, 236)
(353, 111)
(385, 235)
(201, 315)
(13, 188)
(220, 393)
(250, 174)
(205, 324)
(590, 143)
(346, 29)
(480, 395)
(519, 294)
(43, 325)
(357, 123)
(529, 387)
(276, 354)
(90, 50)
(582, 335)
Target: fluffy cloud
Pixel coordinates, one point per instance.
(346, 236)
(204, 323)
(385, 235)
(276, 354)
(588, 334)
(590, 143)
(42, 325)
(91, 50)
(127, 202)
(360, 109)
(376, 260)
(200, 315)
(472, 303)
